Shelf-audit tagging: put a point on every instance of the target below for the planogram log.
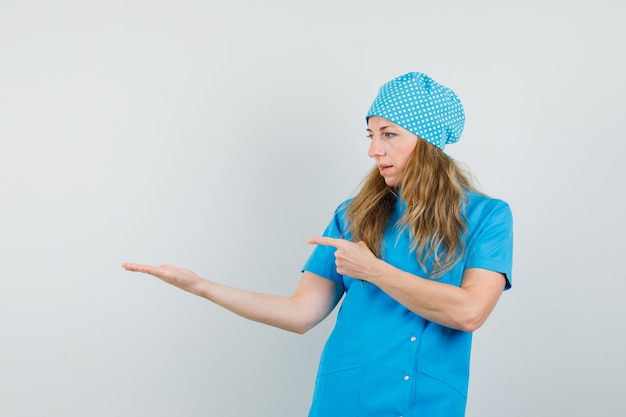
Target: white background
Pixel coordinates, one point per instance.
(219, 135)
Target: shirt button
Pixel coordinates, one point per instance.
(413, 338)
(406, 377)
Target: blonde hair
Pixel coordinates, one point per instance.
(435, 189)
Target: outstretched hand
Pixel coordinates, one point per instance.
(352, 259)
(182, 278)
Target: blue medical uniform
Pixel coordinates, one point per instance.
(382, 360)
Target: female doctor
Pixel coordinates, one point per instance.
(418, 255)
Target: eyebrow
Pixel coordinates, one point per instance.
(381, 128)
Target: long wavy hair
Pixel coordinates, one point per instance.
(435, 189)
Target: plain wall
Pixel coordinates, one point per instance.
(219, 135)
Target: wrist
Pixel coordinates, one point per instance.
(377, 271)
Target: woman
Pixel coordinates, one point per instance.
(418, 255)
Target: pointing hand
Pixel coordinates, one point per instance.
(352, 259)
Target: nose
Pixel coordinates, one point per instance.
(376, 148)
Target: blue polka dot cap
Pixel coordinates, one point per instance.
(420, 105)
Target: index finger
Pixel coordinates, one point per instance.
(138, 267)
(326, 241)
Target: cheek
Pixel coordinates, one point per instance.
(405, 155)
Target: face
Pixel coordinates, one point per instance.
(391, 147)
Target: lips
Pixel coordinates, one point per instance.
(383, 168)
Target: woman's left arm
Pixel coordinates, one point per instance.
(463, 308)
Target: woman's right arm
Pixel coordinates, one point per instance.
(314, 298)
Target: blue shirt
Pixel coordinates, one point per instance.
(383, 360)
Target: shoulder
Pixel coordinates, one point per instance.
(342, 208)
(338, 226)
(489, 235)
(479, 206)
(487, 213)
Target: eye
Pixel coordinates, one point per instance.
(389, 135)
(369, 136)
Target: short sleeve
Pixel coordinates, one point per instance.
(492, 246)
(322, 260)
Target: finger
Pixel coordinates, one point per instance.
(137, 267)
(326, 241)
